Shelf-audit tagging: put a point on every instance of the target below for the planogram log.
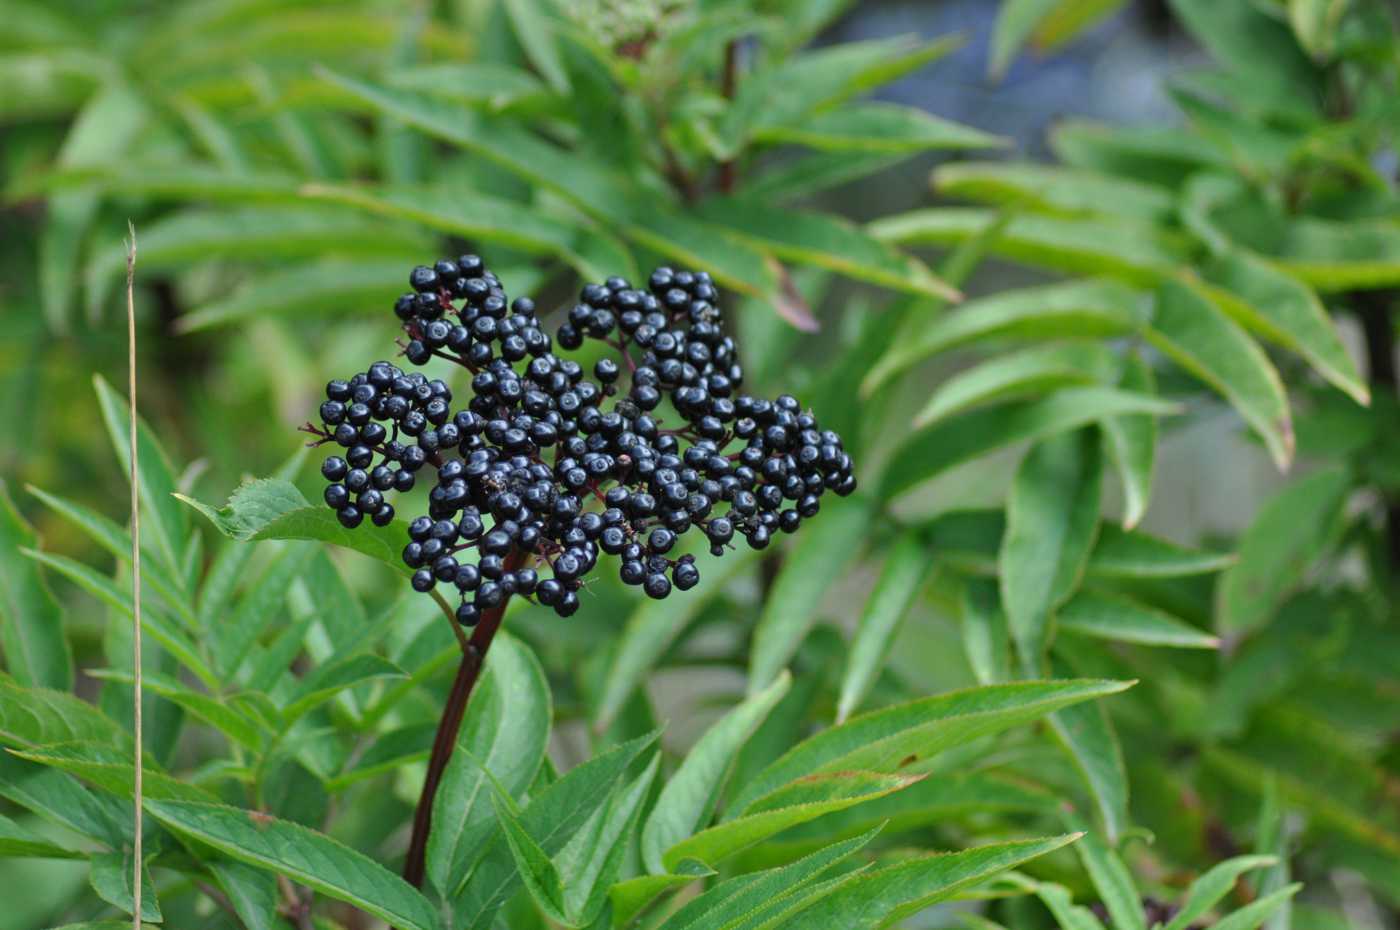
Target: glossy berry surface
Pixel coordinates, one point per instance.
(544, 469)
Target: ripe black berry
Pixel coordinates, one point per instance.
(543, 469)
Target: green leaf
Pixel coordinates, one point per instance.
(1287, 535)
(1315, 22)
(31, 620)
(60, 798)
(876, 127)
(17, 841)
(688, 800)
(1254, 914)
(1121, 554)
(1211, 887)
(1253, 44)
(905, 567)
(1284, 311)
(536, 870)
(1190, 328)
(156, 476)
(264, 602)
(1054, 189)
(1052, 517)
(1124, 620)
(1087, 735)
(732, 900)
(251, 891)
(503, 737)
(35, 716)
(227, 720)
(826, 242)
(1059, 901)
(1135, 252)
(814, 173)
(800, 802)
(329, 680)
(271, 508)
(1079, 309)
(986, 639)
(1131, 441)
(958, 439)
(329, 287)
(101, 132)
(112, 770)
(1016, 21)
(654, 626)
(1111, 879)
(629, 897)
(595, 856)
(553, 818)
(902, 889)
(111, 877)
(495, 85)
(1152, 154)
(302, 855)
(827, 546)
(1037, 370)
(890, 738)
(388, 752)
(535, 31)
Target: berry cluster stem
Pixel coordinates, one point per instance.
(446, 739)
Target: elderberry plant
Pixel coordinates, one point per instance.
(544, 468)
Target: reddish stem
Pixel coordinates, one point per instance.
(446, 740)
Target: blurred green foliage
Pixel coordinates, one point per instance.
(286, 163)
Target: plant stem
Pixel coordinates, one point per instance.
(1374, 310)
(729, 81)
(446, 740)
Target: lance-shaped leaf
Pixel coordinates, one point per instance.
(905, 566)
(1032, 371)
(986, 639)
(800, 802)
(1088, 737)
(271, 508)
(826, 242)
(60, 798)
(1110, 876)
(111, 877)
(881, 896)
(1124, 620)
(688, 800)
(1190, 328)
(302, 855)
(1121, 554)
(36, 716)
(1206, 891)
(15, 840)
(1131, 441)
(1079, 309)
(1016, 22)
(888, 739)
(1053, 189)
(1051, 521)
(330, 287)
(252, 892)
(502, 738)
(877, 127)
(829, 543)
(31, 620)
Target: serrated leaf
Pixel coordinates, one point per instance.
(31, 620)
(1077, 309)
(595, 856)
(1032, 371)
(1052, 517)
(36, 716)
(1054, 189)
(814, 173)
(330, 287)
(876, 127)
(1087, 735)
(828, 544)
(504, 733)
(888, 739)
(1253, 914)
(388, 752)
(1285, 311)
(111, 877)
(156, 476)
(689, 797)
(986, 639)
(15, 840)
(112, 770)
(800, 802)
(1111, 878)
(654, 626)
(733, 899)
(270, 508)
(1136, 252)
(1124, 620)
(1122, 554)
(533, 865)
(495, 84)
(906, 564)
(1131, 441)
(213, 711)
(1190, 328)
(1278, 547)
(59, 798)
(329, 680)
(1211, 887)
(302, 855)
(826, 242)
(884, 895)
(631, 896)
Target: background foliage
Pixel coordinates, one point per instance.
(939, 664)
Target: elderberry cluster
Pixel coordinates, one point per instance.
(545, 468)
